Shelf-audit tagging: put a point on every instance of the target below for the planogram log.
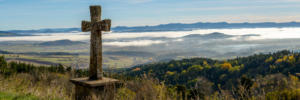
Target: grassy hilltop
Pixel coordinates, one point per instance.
(273, 76)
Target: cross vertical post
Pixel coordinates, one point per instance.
(96, 26)
(96, 45)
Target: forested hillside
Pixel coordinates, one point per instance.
(222, 72)
(260, 71)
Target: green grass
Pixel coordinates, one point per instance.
(12, 96)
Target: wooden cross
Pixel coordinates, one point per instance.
(96, 26)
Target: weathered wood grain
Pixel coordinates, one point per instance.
(96, 26)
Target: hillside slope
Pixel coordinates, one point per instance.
(187, 71)
(60, 43)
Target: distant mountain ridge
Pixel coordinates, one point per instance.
(171, 27)
(215, 35)
(9, 34)
(60, 43)
(48, 30)
(201, 25)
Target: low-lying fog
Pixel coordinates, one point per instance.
(215, 43)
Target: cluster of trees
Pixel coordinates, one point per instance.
(17, 67)
(11, 68)
(212, 75)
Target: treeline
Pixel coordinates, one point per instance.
(17, 67)
(11, 68)
(185, 71)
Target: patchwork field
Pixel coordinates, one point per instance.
(76, 56)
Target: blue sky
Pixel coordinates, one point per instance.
(35, 14)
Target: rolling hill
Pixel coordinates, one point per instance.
(60, 43)
(8, 34)
(185, 72)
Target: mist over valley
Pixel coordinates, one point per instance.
(147, 47)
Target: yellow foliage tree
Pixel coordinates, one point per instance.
(269, 59)
(169, 73)
(171, 65)
(272, 66)
(291, 59)
(279, 60)
(195, 68)
(235, 68)
(285, 58)
(206, 65)
(183, 71)
(226, 65)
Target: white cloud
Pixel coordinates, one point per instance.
(133, 43)
(52, 37)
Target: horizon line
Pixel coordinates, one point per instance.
(161, 24)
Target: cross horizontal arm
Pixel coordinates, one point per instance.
(105, 25)
(86, 26)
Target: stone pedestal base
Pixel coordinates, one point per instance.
(86, 89)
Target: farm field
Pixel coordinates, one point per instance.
(76, 56)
